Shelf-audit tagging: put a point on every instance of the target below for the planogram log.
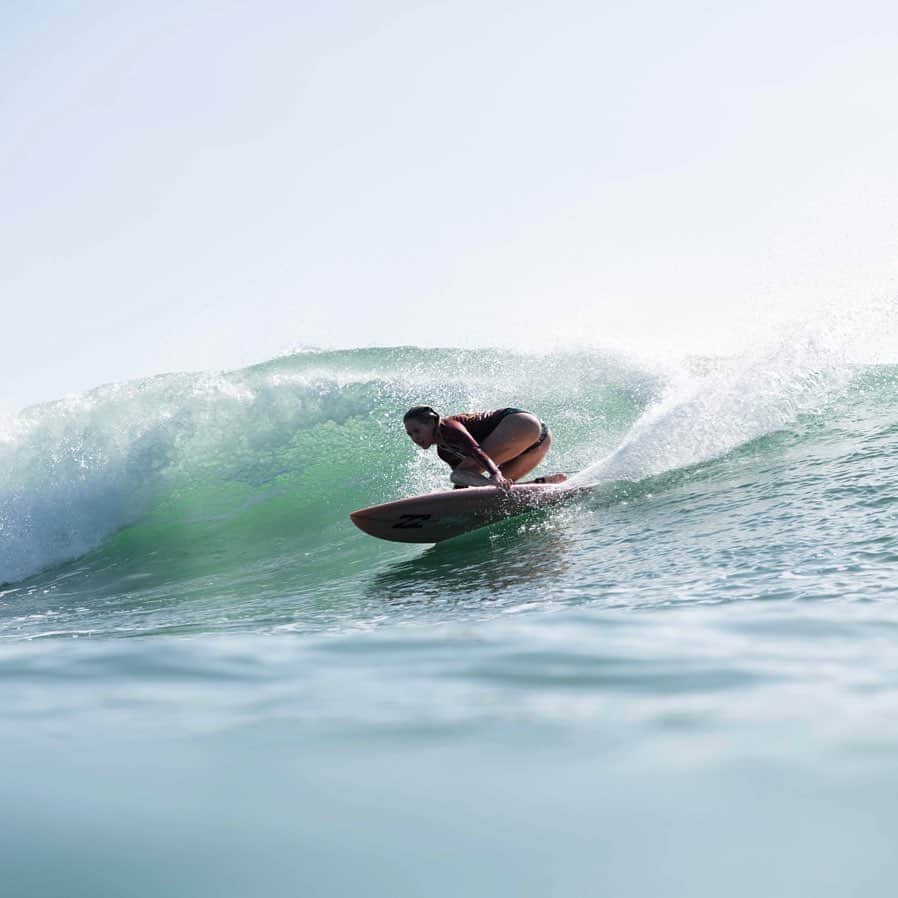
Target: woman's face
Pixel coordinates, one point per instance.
(421, 432)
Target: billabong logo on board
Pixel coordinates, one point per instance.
(411, 521)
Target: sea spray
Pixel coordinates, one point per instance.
(715, 405)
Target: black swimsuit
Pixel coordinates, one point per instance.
(480, 426)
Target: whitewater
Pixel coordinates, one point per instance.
(685, 682)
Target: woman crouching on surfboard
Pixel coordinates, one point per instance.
(507, 444)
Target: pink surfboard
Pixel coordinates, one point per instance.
(437, 516)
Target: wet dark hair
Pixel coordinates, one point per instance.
(421, 413)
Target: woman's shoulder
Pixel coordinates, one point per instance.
(453, 429)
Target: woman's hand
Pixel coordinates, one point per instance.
(500, 481)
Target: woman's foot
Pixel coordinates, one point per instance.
(551, 478)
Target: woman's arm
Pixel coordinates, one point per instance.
(468, 473)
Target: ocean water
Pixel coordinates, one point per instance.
(684, 684)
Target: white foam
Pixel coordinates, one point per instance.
(706, 413)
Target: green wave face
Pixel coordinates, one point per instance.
(186, 476)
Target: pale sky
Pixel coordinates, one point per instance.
(189, 186)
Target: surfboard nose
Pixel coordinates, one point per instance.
(395, 526)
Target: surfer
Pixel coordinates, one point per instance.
(507, 444)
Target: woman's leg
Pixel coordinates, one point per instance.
(511, 445)
(521, 466)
